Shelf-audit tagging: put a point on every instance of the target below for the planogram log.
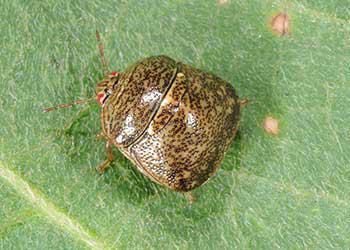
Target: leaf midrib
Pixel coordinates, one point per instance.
(49, 210)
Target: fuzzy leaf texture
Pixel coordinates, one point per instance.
(289, 190)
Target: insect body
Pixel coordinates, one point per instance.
(173, 121)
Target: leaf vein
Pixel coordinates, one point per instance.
(39, 201)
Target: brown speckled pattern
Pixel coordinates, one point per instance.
(136, 97)
(183, 144)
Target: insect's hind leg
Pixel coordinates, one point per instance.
(190, 197)
(107, 162)
(243, 102)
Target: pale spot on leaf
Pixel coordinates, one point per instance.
(223, 2)
(271, 125)
(280, 24)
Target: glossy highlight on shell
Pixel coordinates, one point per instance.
(173, 121)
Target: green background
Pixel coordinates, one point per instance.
(285, 191)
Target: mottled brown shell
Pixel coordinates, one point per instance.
(136, 98)
(180, 136)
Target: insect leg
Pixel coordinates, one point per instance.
(110, 157)
(243, 102)
(100, 136)
(190, 197)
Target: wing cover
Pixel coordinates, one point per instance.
(136, 98)
(186, 141)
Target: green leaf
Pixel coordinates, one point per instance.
(285, 191)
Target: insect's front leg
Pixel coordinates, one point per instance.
(110, 157)
(100, 136)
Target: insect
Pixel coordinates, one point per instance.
(174, 122)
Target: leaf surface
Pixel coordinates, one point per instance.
(285, 191)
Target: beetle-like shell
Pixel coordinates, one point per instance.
(136, 98)
(173, 121)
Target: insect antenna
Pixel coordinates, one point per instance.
(105, 67)
(102, 53)
(68, 105)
